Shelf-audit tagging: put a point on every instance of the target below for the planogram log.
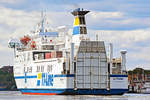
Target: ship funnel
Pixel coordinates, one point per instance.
(79, 26)
(123, 61)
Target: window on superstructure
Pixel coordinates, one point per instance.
(42, 68)
(84, 29)
(35, 57)
(58, 54)
(29, 69)
(48, 47)
(38, 69)
(47, 55)
(38, 55)
(41, 56)
(49, 68)
(81, 30)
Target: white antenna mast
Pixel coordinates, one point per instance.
(42, 22)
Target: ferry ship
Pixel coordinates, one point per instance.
(54, 62)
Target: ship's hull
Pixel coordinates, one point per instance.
(66, 88)
(73, 92)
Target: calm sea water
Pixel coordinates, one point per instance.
(16, 95)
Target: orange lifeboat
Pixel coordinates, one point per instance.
(25, 40)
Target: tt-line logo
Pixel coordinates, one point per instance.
(45, 79)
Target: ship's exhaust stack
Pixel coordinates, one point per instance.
(79, 26)
(123, 61)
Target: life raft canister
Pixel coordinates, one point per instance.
(33, 44)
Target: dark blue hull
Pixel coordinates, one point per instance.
(74, 92)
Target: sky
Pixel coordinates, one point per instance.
(125, 23)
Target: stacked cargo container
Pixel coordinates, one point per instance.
(91, 69)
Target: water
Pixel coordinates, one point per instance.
(16, 95)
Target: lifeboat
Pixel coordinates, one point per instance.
(25, 40)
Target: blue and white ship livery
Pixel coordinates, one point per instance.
(55, 62)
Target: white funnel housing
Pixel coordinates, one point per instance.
(110, 56)
(123, 60)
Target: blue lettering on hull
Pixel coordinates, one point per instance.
(46, 80)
